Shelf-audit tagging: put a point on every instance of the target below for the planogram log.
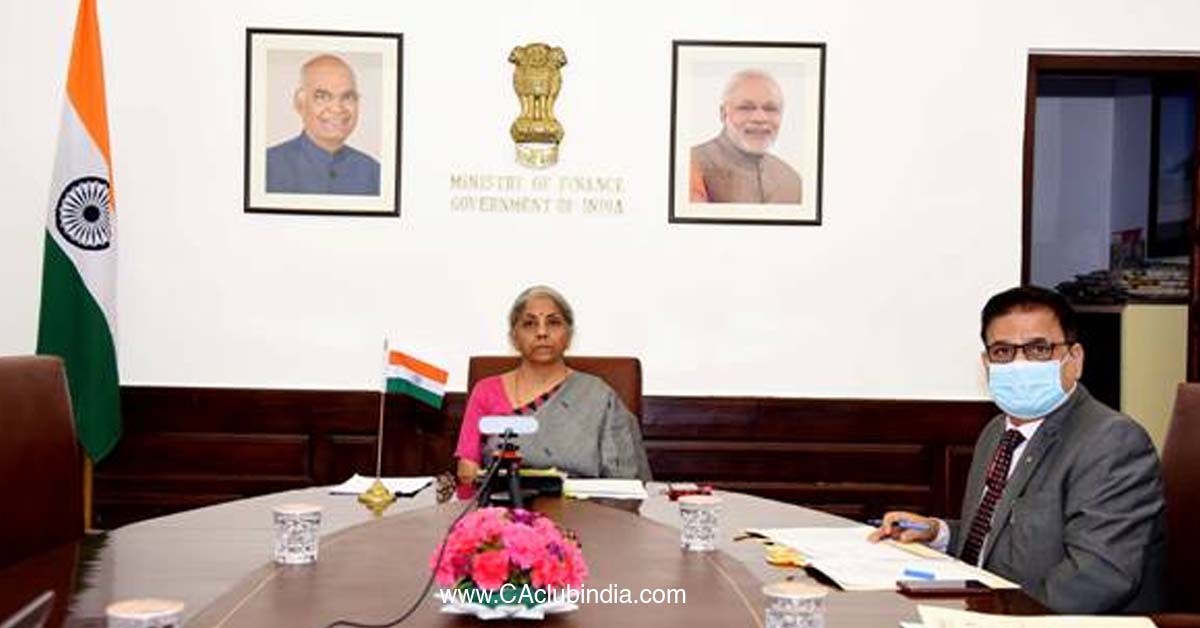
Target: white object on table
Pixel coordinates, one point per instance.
(700, 522)
(940, 617)
(358, 484)
(144, 613)
(605, 487)
(794, 605)
(856, 564)
(297, 533)
(818, 543)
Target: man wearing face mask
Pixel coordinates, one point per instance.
(1064, 495)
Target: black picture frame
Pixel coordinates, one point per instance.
(277, 120)
(726, 171)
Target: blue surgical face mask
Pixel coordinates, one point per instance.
(1025, 389)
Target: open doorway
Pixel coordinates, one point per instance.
(1110, 211)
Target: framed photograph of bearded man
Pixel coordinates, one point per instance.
(323, 122)
(746, 132)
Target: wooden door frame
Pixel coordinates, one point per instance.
(1097, 63)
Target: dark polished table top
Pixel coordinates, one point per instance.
(217, 561)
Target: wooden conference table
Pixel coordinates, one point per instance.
(216, 560)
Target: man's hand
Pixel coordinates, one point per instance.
(905, 527)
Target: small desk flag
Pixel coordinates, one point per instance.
(410, 376)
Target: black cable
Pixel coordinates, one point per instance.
(437, 563)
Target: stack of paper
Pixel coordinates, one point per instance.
(405, 487)
(612, 489)
(856, 564)
(939, 617)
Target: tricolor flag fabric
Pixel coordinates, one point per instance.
(407, 375)
(79, 270)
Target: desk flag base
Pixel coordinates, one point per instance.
(377, 498)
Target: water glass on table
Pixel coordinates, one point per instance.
(297, 533)
(794, 605)
(144, 613)
(700, 518)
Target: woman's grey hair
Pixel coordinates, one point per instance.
(518, 306)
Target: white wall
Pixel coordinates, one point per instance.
(924, 109)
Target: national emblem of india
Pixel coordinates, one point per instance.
(537, 79)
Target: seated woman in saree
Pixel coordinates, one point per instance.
(584, 429)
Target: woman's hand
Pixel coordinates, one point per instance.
(467, 471)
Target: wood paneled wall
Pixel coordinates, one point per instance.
(190, 447)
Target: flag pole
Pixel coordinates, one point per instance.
(382, 400)
(87, 494)
(378, 497)
(379, 438)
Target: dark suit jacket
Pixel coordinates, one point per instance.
(1080, 524)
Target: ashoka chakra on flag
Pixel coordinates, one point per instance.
(82, 213)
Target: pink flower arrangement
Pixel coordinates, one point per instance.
(494, 546)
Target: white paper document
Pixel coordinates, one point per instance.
(939, 617)
(608, 488)
(856, 564)
(357, 484)
(854, 574)
(848, 542)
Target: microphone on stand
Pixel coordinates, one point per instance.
(517, 424)
(507, 457)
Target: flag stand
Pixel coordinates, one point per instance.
(378, 497)
(87, 493)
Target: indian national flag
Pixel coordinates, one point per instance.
(79, 269)
(410, 376)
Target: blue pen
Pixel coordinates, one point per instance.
(903, 524)
(920, 575)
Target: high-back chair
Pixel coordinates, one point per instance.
(623, 374)
(1181, 491)
(41, 480)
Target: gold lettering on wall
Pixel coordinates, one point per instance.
(537, 194)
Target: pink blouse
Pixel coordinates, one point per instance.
(487, 398)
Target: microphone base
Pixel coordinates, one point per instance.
(503, 499)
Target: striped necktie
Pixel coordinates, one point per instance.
(997, 477)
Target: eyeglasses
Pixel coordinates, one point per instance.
(1034, 351)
